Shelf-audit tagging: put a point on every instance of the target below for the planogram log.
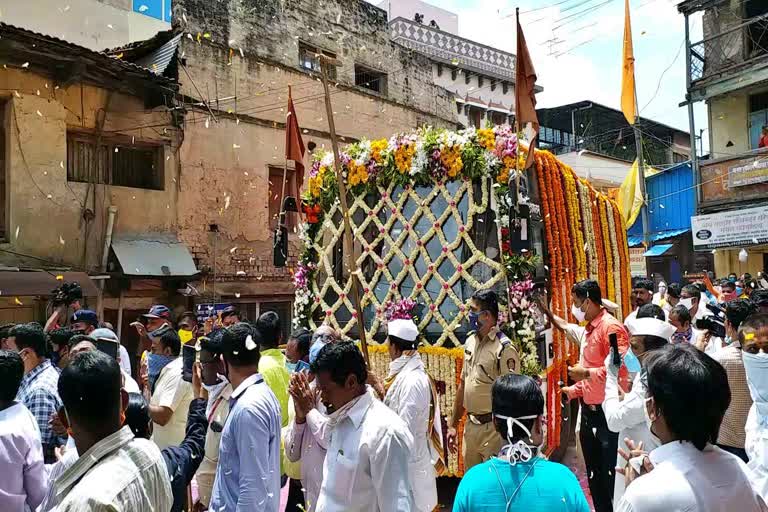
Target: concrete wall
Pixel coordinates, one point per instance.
(461, 88)
(727, 261)
(94, 24)
(354, 30)
(447, 20)
(599, 170)
(45, 208)
(729, 122)
(227, 162)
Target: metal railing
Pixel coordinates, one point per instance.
(453, 49)
(734, 47)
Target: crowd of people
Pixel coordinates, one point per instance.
(673, 412)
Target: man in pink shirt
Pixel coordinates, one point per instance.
(598, 443)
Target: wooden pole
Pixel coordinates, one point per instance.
(348, 245)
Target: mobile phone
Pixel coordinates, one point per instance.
(302, 366)
(108, 346)
(189, 354)
(613, 339)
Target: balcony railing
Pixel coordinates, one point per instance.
(451, 49)
(731, 49)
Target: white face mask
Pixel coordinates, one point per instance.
(649, 422)
(578, 313)
(519, 451)
(688, 303)
(215, 389)
(756, 366)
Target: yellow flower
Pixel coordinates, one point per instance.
(377, 148)
(508, 162)
(315, 183)
(358, 174)
(503, 177)
(404, 157)
(486, 138)
(450, 157)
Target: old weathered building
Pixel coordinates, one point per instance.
(728, 69)
(66, 205)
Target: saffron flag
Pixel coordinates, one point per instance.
(294, 145)
(628, 97)
(630, 196)
(525, 94)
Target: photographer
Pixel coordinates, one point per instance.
(732, 435)
(712, 330)
(66, 296)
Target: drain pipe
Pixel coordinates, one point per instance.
(104, 257)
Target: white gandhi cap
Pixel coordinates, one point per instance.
(651, 327)
(403, 329)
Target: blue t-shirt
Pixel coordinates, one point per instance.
(549, 487)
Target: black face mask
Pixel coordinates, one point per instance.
(78, 332)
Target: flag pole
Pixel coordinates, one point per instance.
(641, 179)
(281, 219)
(348, 245)
(517, 134)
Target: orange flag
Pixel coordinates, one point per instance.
(628, 97)
(294, 145)
(525, 93)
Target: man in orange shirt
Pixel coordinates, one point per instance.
(598, 443)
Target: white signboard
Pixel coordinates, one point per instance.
(637, 262)
(735, 228)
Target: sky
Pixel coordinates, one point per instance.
(576, 48)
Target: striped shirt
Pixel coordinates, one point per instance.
(732, 429)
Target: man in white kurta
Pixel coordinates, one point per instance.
(366, 467)
(409, 394)
(627, 416)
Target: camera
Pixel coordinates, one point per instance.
(714, 323)
(66, 294)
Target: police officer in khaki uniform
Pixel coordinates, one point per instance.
(488, 354)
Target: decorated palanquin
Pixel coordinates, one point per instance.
(432, 214)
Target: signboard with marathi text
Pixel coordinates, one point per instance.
(637, 262)
(748, 172)
(736, 179)
(734, 228)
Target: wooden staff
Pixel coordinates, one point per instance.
(348, 246)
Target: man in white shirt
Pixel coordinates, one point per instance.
(410, 393)
(219, 391)
(642, 294)
(625, 413)
(116, 471)
(687, 396)
(248, 475)
(753, 336)
(167, 393)
(366, 467)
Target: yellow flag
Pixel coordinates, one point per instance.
(628, 99)
(630, 196)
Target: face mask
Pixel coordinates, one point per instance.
(291, 367)
(578, 313)
(688, 303)
(159, 331)
(520, 451)
(155, 364)
(683, 337)
(314, 350)
(474, 321)
(739, 291)
(649, 422)
(632, 362)
(756, 366)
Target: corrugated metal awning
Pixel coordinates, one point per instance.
(657, 250)
(637, 240)
(31, 283)
(153, 254)
(158, 61)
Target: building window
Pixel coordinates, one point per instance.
(309, 59)
(679, 158)
(370, 79)
(275, 190)
(476, 115)
(757, 31)
(118, 162)
(758, 117)
(498, 118)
